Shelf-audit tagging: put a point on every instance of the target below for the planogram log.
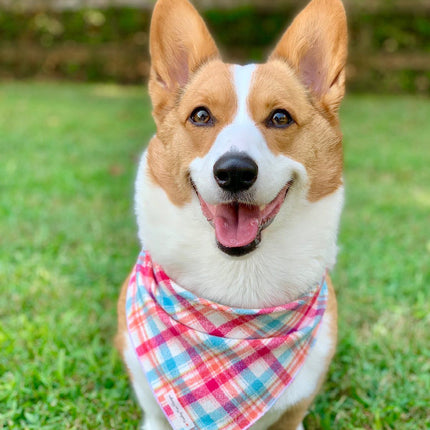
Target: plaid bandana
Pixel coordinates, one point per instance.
(211, 366)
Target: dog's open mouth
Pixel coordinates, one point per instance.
(238, 225)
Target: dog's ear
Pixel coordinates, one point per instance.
(179, 43)
(315, 45)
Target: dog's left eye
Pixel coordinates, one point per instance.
(201, 116)
(279, 118)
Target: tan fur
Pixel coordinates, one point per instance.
(332, 311)
(176, 54)
(178, 85)
(178, 142)
(315, 45)
(120, 341)
(313, 140)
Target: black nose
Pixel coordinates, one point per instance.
(235, 172)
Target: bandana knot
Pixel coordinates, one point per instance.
(212, 366)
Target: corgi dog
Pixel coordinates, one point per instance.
(240, 191)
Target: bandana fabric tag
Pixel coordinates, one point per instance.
(211, 366)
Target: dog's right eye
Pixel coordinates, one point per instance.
(201, 116)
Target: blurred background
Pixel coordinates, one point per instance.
(74, 119)
(107, 40)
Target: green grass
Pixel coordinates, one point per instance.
(68, 158)
(380, 378)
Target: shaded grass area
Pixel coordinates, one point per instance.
(68, 238)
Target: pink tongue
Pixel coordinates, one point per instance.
(236, 224)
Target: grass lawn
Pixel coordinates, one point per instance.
(68, 238)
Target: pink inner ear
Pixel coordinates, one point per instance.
(178, 70)
(315, 45)
(312, 71)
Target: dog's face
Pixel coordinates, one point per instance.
(240, 150)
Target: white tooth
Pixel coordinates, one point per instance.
(262, 207)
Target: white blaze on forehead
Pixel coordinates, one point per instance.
(242, 81)
(243, 135)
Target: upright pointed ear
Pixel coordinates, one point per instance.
(179, 43)
(316, 45)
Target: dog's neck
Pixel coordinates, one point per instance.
(292, 257)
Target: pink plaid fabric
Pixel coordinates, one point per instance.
(211, 366)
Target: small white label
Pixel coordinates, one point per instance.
(180, 420)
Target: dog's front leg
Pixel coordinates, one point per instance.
(155, 422)
(153, 417)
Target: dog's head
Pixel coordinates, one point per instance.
(240, 148)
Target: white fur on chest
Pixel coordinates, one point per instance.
(295, 250)
(294, 253)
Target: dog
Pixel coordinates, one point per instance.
(238, 201)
